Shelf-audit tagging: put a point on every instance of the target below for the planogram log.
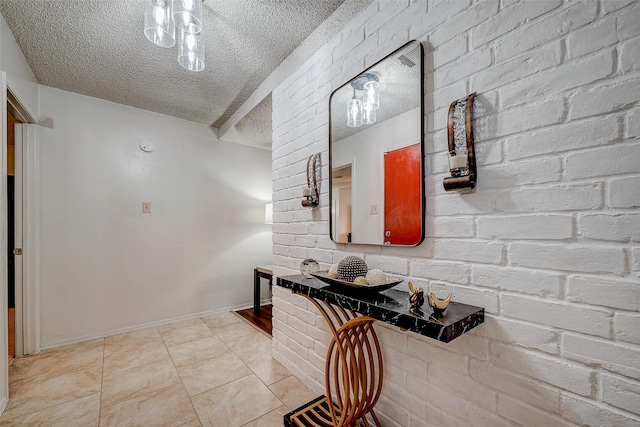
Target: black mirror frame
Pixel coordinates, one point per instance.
(422, 149)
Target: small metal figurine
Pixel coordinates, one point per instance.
(437, 305)
(417, 297)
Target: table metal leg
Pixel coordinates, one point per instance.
(256, 291)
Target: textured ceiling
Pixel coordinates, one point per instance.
(254, 129)
(399, 78)
(97, 48)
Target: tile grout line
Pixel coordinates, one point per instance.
(248, 367)
(104, 348)
(180, 376)
(254, 373)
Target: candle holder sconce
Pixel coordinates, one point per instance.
(462, 159)
(311, 192)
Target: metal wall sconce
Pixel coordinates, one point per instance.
(311, 192)
(462, 160)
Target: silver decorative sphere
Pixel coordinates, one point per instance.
(376, 277)
(352, 267)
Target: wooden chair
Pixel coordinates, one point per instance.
(353, 378)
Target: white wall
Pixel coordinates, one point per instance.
(20, 79)
(106, 266)
(548, 244)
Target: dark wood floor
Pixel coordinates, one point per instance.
(262, 320)
(12, 333)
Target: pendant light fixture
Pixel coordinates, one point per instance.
(363, 111)
(163, 17)
(158, 25)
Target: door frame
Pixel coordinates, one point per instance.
(26, 215)
(28, 322)
(4, 342)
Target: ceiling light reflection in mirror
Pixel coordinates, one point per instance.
(363, 111)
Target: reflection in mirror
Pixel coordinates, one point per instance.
(376, 152)
(341, 203)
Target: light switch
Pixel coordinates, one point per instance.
(146, 207)
(373, 209)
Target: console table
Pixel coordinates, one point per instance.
(342, 307)
(265, 272)
(390, 306)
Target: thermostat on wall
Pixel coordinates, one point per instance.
(146, 146)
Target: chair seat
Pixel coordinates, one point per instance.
(315, 414)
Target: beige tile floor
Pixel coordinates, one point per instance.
(212, 371)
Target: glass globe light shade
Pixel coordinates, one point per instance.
(371, 95)
(187, 15)
(191, 51)
(369, 116)
(354, 113)
(158, 27)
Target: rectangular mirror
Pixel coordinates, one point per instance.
(376, 153)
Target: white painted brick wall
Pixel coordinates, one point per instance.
(624, 192)
(570, 257)
(521, 280)
(628, 23)
(558, 79)
(612, 227)
(593, 37)
(631, 55)
(627, 327)
(523, 334)
(533, 391)
(618, 358)
(450, 227)
(548, 242)
(549, 227)
(510, 19)
(528, 63)
(603, 99)
(621, 394)
(561, 315)
(607, 161)
(551, 198)
(564, 138)
(550, 26)
(585, 412)
(604, 292)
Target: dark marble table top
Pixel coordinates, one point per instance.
(391, 306)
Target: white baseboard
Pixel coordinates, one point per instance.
(3, 404)
(105, 334)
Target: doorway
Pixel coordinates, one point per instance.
(341, 181)
(403, 187)
(21, 213)
(11, 276)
